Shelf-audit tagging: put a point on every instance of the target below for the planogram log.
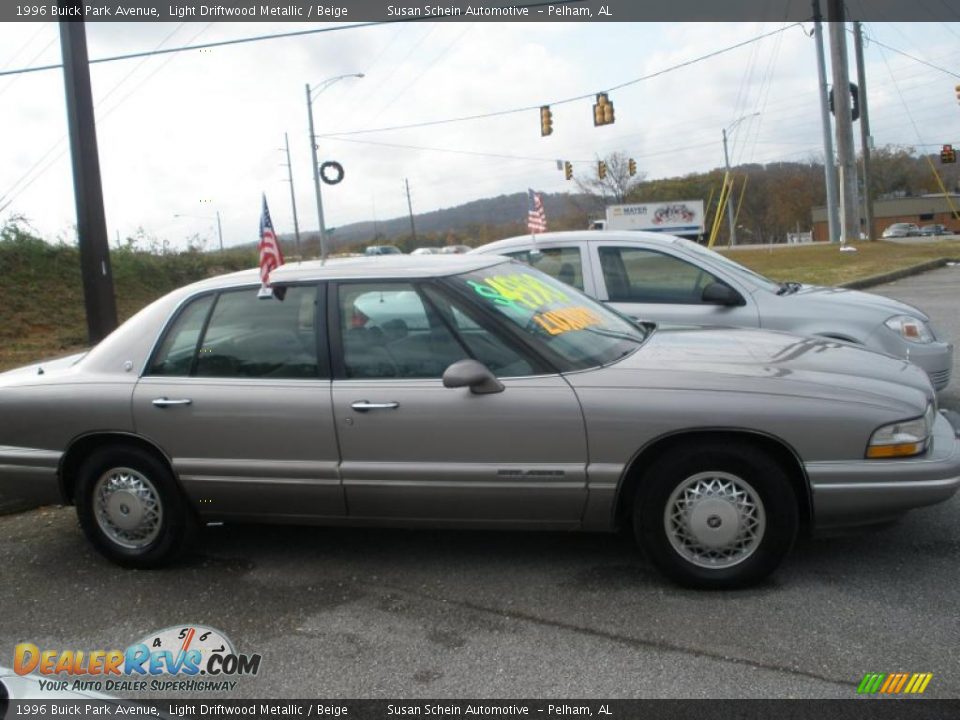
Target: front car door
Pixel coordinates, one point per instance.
(238, 397)
(414, 450)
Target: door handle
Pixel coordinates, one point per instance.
(165, 402)
(363, 406)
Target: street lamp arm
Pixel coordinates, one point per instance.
(324, 84)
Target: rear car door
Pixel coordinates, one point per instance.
(237, 394)
(415, 450)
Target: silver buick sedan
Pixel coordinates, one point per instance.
(662, 278)
(468, 391)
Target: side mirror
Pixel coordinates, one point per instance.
(719, 294)
(474, 375)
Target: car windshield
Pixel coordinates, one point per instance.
(566, 325)
(727, 263)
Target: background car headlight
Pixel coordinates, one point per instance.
(902, 439)
(910, 328)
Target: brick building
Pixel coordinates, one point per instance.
(923, 210)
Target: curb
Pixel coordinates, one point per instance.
(886, 277)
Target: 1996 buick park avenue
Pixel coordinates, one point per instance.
(468, 391)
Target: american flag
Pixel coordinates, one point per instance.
(271, 256)
(536, 217)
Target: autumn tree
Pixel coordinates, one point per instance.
(617, 184)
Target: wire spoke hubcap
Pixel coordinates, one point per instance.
(714, 519)
(127, 508)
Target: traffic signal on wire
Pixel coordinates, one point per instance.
(948, 154)
(603, 110)
(568, 170)
(632, 166)
(546, 121)
(601, 169)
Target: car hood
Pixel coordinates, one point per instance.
(842, 300)
(760, 361)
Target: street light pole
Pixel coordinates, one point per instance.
(219, 231)
(316, 178)
(313, 154)
(726, 162)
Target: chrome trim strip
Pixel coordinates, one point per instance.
(465, 484)
(235, 479)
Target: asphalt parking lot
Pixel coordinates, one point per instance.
(359, 613)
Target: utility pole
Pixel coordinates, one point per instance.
(293, 197)
(829, 171)
(864, 128)
(846, 151)
(98, 296)
(219, 231)
(413, 228)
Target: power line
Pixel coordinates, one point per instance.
(203, 46)
(912, 57)
(14, 191)
(634, 81)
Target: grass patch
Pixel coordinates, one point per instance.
(824, 264)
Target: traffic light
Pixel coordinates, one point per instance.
(601, 169)
(957, 88)
(632, 166)
(568, 170)
(603, 110)
(546, 121)
(948, 154)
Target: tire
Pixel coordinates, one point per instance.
(715, 517)
(131, 509)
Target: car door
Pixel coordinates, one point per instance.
(652, 283)
(415, 450)
(238, 396)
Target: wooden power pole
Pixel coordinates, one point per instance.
(94, 245)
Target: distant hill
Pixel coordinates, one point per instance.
(473, 223)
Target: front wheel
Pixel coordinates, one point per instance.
(131, 509)
(717, 516)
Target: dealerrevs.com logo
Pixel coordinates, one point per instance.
(189, 658)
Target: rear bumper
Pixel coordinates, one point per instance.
(864, 492)
(28, 478)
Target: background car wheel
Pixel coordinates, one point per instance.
(131, 509)
(717, 516)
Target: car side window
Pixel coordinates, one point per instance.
(563, 263)
(179, 347)
(253, 337)
(389, 331)
(485, 346)
(647, 276)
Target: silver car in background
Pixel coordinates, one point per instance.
(468, 391)
(662, 278)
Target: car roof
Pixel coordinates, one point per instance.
(358, 268)
(579, 236)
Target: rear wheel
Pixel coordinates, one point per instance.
(131, 509)
(718, 516)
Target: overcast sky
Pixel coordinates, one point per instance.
(195, 132)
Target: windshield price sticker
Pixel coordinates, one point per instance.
(564, 320)
(518, 290)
